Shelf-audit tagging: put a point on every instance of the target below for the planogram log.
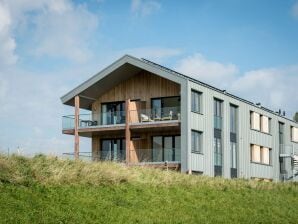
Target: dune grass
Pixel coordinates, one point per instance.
(50, 190)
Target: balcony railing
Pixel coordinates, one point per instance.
(155, 155)
(118, 117)
(115, 156)
(135, 156)
(287, 150)
(153, 115)
(217, 122)
(94, 119)
(68, 122)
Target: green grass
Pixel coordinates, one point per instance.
(50, 190)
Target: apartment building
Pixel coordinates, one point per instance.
(142, 113)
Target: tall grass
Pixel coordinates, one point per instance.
(51, 190)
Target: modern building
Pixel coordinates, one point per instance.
(143, 113)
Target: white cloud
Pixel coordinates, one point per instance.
(8, 45)
(56, 28)
(295, 10)
(31, 111)
(144, 7)
(215, 73)
(64, 32)
(273, 87)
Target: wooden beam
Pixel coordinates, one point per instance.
(127, 130)
(76, 128)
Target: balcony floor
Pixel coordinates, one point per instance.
(118, 128)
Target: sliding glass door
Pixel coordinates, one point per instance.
(165, 148)
(165, 107)
(113, 149)
(113, 113)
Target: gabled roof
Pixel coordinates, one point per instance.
(122, 69)
(126, 67)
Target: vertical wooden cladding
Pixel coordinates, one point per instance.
(95, 147)
(139, 89)
(142, 86)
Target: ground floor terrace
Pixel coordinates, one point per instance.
(155, 143)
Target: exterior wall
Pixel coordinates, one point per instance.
(140, 148)
(142, 86)
(245, 137)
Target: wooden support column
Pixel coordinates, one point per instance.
(76, 128)
(127, 130)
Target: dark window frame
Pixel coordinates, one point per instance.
(193, 109)
(261, 158)
(163, 145)
(200, 146)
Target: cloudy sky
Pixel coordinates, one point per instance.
(47, 47)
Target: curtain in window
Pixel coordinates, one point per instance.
(265, 124)
(255, 153)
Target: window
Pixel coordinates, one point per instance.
(256, 153)
(113, 113)
(217, 157)
(260, 154)
(260, 122)
(264, 124)
(196, 141)
(294, 134)
(166, 148)
(217, 114)
(165, 107)
(196, 101)
(233, 155)
(217, 108)
(255, 121)
(217, 152)
(233, 140)
(113, 149)
(233, 119)
(265, 155)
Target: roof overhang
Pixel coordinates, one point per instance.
(122, 69)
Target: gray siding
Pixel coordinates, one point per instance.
(246, 136)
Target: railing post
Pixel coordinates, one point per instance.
(127, 130)
(76, 127)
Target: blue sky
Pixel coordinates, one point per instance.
(48, 47)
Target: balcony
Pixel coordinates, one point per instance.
(143, 118)
(94, 120)
(155, 115)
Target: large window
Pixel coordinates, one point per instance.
(165, 107)
(196, 141)
(113, 149)
(113, 113)
(166, 148)
(260, 154)
(196, 101)
(218, 151)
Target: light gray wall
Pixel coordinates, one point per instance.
(246, 136)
